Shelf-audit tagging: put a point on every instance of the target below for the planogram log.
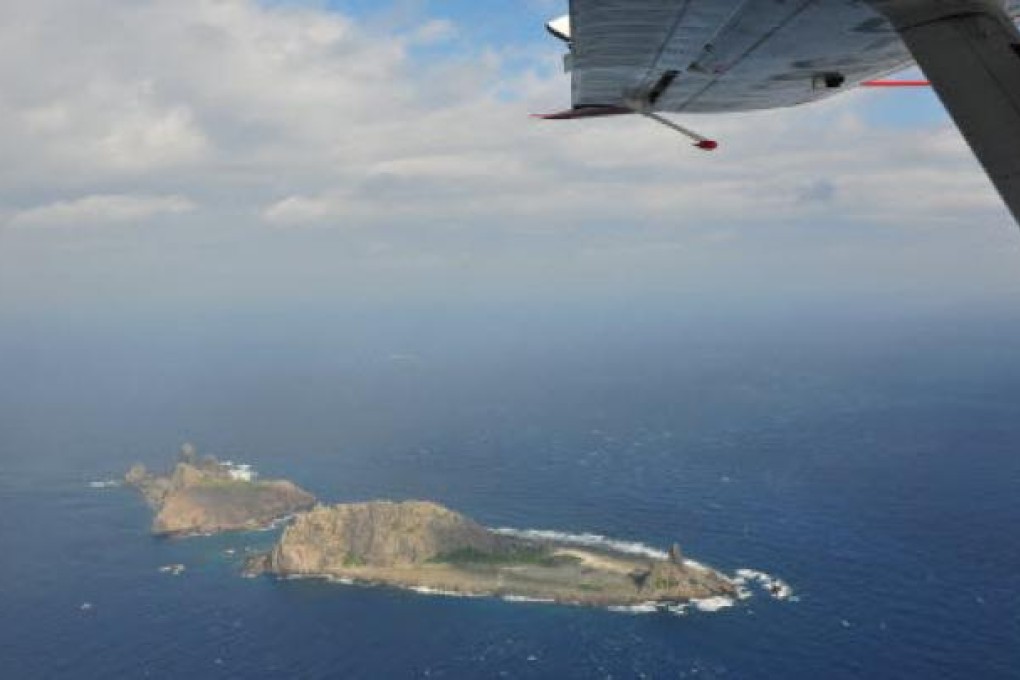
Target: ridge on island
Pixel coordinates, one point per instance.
(423, 545)
(203, 496)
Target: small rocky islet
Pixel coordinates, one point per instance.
(418, 545)
(208, 496)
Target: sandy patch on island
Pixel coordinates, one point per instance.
(600, 562)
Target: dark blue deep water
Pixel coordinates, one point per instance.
(871, 460)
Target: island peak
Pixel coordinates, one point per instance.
(206, 495)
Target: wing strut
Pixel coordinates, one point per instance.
(703, 143)
(970, 51)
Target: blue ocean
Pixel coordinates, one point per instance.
(869, 458)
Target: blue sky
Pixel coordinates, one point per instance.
(493, 21)
(298, 151)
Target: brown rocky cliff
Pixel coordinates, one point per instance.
(202, 507)
(153, 488)
(200, 497)
(377, 534)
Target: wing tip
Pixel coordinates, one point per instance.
(585, 112)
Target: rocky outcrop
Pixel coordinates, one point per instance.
(201, 497)
(669, 580)
(153, 488)
(204, 507)
(419, 544)
(378, 534)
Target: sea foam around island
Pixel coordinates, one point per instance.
(774, 586)
(707, 604)
(429, 590)
(588, 539)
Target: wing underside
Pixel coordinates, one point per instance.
(725, 55)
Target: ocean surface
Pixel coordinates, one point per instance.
(871, 460)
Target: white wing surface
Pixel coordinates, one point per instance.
(725, 55)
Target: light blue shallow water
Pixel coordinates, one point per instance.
(872, 463)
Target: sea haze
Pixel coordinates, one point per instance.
(870, 459)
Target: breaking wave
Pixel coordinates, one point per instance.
(427, 590)
(525, 598)
(774, 586)
(343, 580)
(642, 608)
(713, 604)
(591, 540)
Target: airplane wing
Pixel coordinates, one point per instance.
(725, 55)
(973, 61)
(704, 56)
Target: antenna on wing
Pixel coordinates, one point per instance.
(702, 142)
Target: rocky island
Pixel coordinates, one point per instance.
(205, 495)
(425, 546)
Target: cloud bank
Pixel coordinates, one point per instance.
(231, 119)
(101, 209)
(308, 116)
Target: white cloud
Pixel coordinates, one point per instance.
(144, 139)
(434, 31)
(101, 209)
(300, 210)
(297, 115)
